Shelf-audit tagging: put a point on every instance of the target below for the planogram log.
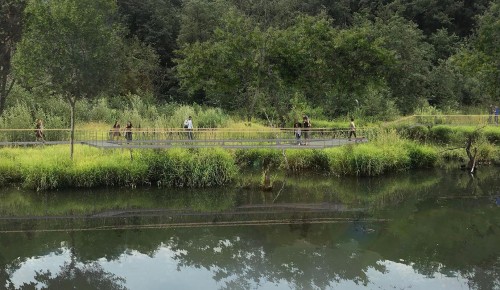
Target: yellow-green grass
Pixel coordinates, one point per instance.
(50, 167)
(388, 153)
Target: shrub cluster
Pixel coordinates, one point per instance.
(54, 110)
(448, 134)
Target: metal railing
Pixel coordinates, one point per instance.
(463, 120)
(169, 137)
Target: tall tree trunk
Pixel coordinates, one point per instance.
(5, 89)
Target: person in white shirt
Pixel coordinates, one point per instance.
(190, 128)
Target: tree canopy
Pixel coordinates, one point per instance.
(375, 58)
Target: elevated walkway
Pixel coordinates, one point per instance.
(277, 138)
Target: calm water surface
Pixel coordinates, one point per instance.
(419, 230)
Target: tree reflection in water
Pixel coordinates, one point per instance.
(449, 227)
(70, 276)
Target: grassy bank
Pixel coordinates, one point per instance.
(49, 167)
(387, 153)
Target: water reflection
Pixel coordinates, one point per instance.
(426, 230)
(274, 257)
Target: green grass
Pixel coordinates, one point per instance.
(49, 167)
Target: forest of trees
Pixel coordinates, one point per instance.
(257, 57)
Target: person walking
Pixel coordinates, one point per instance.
(190, 128)
(39, 135)
(128, 131)
(306, 125)
(116, 130)
(352, 129)
(297, 131)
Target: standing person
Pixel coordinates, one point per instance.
(128, 131)
(190, 128)
(352, 129)
(296, 130)
(39, 130)
(306, 125)
(116, 130)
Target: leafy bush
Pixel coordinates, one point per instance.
(441, 134)
(492, 134)
(190, 168)
(417, 132)
(212, 118)
(258, 157)
(421, 156)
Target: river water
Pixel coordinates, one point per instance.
(435, 229)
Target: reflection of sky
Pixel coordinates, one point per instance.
(160, 272)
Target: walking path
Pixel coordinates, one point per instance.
(174, 138)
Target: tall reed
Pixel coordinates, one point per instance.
(49, 167)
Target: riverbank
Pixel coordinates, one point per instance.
(49, 167)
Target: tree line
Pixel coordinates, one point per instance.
(266, 58)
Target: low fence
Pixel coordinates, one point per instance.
(167, 136)
(459, 120)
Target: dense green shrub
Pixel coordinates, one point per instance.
(305, 159)
(190, 167)
(421, 156)
(492, 134)
(441, 134)
(417, 132)
(258, 157)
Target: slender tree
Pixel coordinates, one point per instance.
(10, 32)
(71, 47)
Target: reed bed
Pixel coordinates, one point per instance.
(387, 153)
(49, 167)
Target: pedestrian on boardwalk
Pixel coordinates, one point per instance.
(39, 131)
(189, 128)
(306, 125)
(116, 130)
(128, 131)
(352, 129)
(297, 131)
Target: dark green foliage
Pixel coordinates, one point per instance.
(258, 158)
(11, 24)
(417, 132)
(441, 134)
(190, 167)
(421, 157)
(492, 135)
(372, 59)
(300, 160)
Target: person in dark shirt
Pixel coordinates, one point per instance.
(306, 125)
(128, 131)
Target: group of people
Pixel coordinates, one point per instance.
(493, 112)
(115, 133)
(302, 130)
